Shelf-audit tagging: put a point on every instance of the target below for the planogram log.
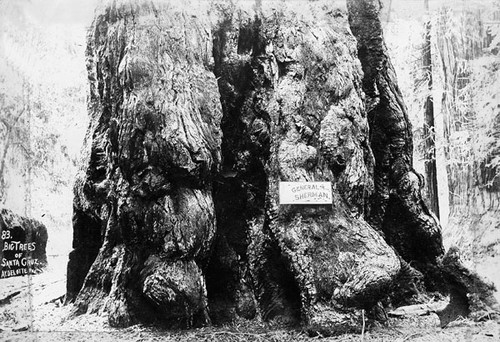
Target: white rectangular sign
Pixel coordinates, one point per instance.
(305, 193)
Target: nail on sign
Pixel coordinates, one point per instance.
(305, 193)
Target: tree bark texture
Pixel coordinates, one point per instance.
(397, 207)
(197, 114)
(144, 216)
(293, 111)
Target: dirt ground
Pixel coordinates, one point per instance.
(48, 321)
(422, 329)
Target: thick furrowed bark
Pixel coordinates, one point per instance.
(397, 186)
(153, 147)
(292, 91)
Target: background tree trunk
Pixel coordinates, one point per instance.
(471, 123)
(431, 182)
(28, 150)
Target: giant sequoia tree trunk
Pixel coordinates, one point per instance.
(174, 223)
(144, 216)
(293, 111)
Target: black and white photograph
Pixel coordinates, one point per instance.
(250, 170)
